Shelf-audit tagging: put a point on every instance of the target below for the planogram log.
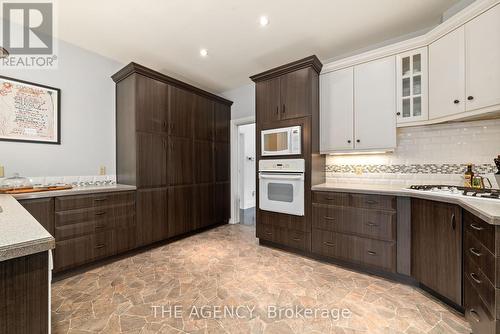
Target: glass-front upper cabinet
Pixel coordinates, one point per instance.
(412, 76)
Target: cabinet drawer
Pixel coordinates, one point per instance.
(482, 231)
(103, 244)
(377, 224)
(64, 203)
(374, 253)
(481, 256)
(74, 230)
(373, 201)
(285, 237)
(73, 252)
(331, 198)
(480, 283)
(282, 220)
(476, 312)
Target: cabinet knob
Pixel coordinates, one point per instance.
(456, 101)
(348, 141)
(277, 110)
(283, 110)
(398, 113)
(358, 141)
(470, 98)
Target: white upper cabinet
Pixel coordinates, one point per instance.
(411, 83)
(336, 111)
(447, 75)
(482, 54)
(375, 104)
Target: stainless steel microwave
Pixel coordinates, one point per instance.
(281, 141)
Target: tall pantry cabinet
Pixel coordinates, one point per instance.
(172, 142)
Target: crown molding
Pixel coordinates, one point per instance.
(311, 61)
(465, 15)
(140, 69)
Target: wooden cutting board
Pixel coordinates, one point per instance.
(33, 190)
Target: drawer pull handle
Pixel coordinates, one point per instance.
(475, 278)
(474, 315)
(268, 233)
(100, 213)
(475, 252)
(369, 201)
(477, 228)
(101, 199)
(453, 223)
(100, 246)
(296, 239)
(329, 218)
(372, 253)
(330, 244)
(100, 226)
(330, 198)
(372, 224)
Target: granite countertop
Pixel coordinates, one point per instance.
(20, 233)
(76, 191)
(486, 209)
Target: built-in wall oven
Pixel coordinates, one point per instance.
(281, 141)
(281, 186)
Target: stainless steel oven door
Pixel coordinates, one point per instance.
(282, 192)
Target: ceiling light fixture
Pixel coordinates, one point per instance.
(204, 52)
(264, 21)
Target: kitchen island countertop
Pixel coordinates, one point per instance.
(486, 209)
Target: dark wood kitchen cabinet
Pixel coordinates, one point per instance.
(436, 247)
(42, 210)
(173, 144)
(288, 96)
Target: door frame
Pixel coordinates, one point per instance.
(234, 143)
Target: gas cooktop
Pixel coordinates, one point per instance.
(460, 191)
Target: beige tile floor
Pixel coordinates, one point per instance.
(226, 267)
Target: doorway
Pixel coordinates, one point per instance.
(246, 174)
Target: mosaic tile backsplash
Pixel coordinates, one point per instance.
(438, 152)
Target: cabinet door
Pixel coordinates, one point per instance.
(180, 113)
(180, 210)
(204, 118)
(204, 165)
(180, 162)
(482, 47)
(42, 210)
(151, 160)
(222, 202)
(267, 97)
(436, 247)
(296, 94)
(152, 222)
(222, 119)
(222, 157)
(204, 212)
(337, 111)
(447, 75)
(375, 104)
(151, 104)
(412, 92)
(73, 252)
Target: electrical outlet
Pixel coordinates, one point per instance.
(102, 170)
(358, 170)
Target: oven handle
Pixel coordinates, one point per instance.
(281, 177)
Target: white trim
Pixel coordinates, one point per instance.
(459, 19)
(235, 212)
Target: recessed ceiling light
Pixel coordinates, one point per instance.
(204, 52)
(264, 21)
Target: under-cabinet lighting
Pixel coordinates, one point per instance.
(362, 152)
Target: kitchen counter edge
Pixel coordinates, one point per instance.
(75, 191)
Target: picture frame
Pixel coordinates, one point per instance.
(29, 112)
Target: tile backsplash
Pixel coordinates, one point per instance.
(425, 154)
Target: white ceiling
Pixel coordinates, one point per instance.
(166, 35)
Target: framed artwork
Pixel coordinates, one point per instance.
(29, 112)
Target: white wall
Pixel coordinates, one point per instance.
(247, 168)
(87, 118)
(243, 101)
